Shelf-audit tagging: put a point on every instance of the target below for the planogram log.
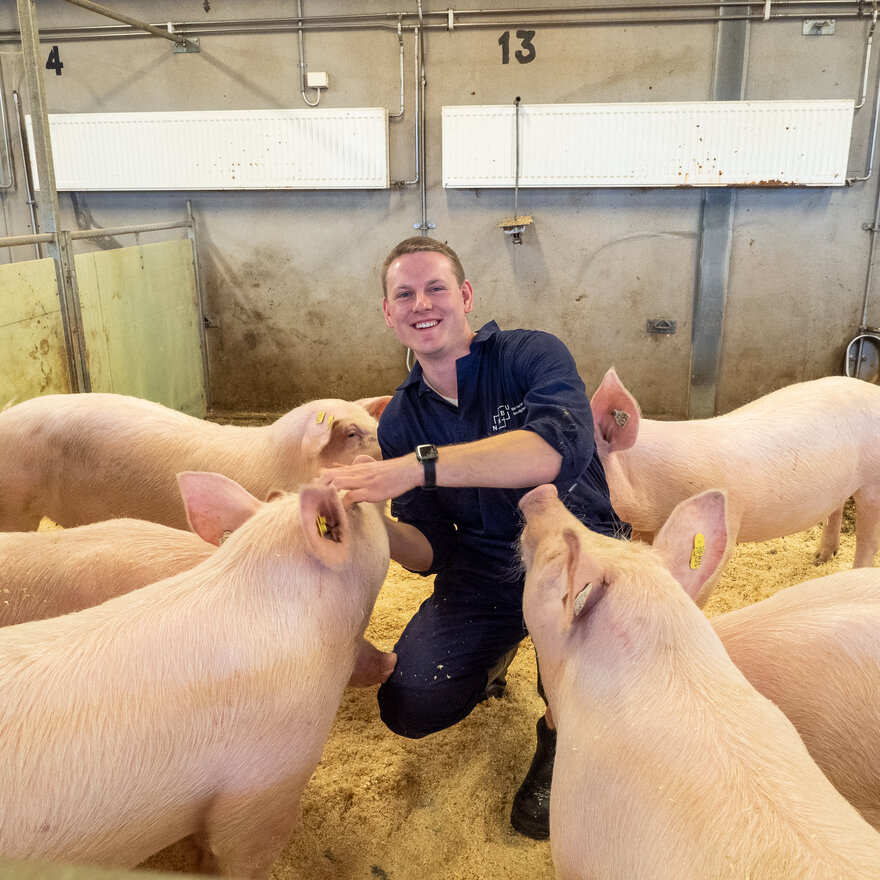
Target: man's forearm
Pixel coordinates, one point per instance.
(513, 460)
(408, 545)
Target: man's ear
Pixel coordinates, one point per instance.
(467, 295)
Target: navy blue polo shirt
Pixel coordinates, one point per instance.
(510, 380)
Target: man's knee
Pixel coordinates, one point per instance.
(415, 712)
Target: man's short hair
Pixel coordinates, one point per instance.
(420, 244)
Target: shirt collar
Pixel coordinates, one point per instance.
(489, 329)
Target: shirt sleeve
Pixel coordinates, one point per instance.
(556, 402)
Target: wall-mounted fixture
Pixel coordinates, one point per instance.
(515, 226)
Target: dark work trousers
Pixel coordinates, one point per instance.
(445, 653)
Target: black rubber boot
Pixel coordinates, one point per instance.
(530, 814)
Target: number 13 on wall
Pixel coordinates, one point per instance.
(524, 55)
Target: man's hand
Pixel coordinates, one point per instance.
(369, 480)
(366, 479)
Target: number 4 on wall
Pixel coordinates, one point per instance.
(53, 62)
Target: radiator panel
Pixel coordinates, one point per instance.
(220, 150)
(714, 143)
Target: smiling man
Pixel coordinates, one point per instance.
(481, 419)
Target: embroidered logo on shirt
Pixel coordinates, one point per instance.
(504, 415)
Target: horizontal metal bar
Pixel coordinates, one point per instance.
(126, 230)
(47, 237)
(16, 240)
(127, 19)
(700, 12)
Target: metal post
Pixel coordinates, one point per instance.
(200, 304)
(731, 55)
(59, 249)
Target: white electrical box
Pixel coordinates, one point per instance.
(317, 80)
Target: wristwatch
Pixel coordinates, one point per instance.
(426, 453)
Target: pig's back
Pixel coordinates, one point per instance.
(787, 460)
(84, 458)
(813, 649)
(49, 573)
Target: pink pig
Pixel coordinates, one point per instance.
(788, 461)
(82, 458)
(198, 705)
(49, 573)
(669, 764)
(814, 650)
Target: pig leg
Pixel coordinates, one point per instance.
(867, 524)
(244, 834)
(829, 540)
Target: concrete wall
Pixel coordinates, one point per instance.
(291, 278)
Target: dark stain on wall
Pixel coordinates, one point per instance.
(281, 339)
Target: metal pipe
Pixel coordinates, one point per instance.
(302, 64)
(612, 16)
(6, 139)
(192, 233)
(26, 164)
(128, 230)
(874, 117)
(873, 229)
(423, 125)
(134, 22)
(516, 164)
(16, 240)
(867, 61)
(400, 43)
(81, 234)
(417, 91)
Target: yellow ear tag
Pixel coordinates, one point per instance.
(320, 418)
(321, 523)
(697, 552)
(329, 421)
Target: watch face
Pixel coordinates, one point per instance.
(426, 452)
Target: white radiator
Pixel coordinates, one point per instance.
(714, 143)
(246, 149)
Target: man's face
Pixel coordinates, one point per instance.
(426, 307)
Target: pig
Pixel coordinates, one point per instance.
(198, 705)
(49, 573)
(814, 650)
(83, 458)
(669, 764)
(788, 461)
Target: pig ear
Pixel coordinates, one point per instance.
(375, 406)
(215, 504)
(585, 577)
(317, 431)
(325, 524)
(615, 413)
(694, 542)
